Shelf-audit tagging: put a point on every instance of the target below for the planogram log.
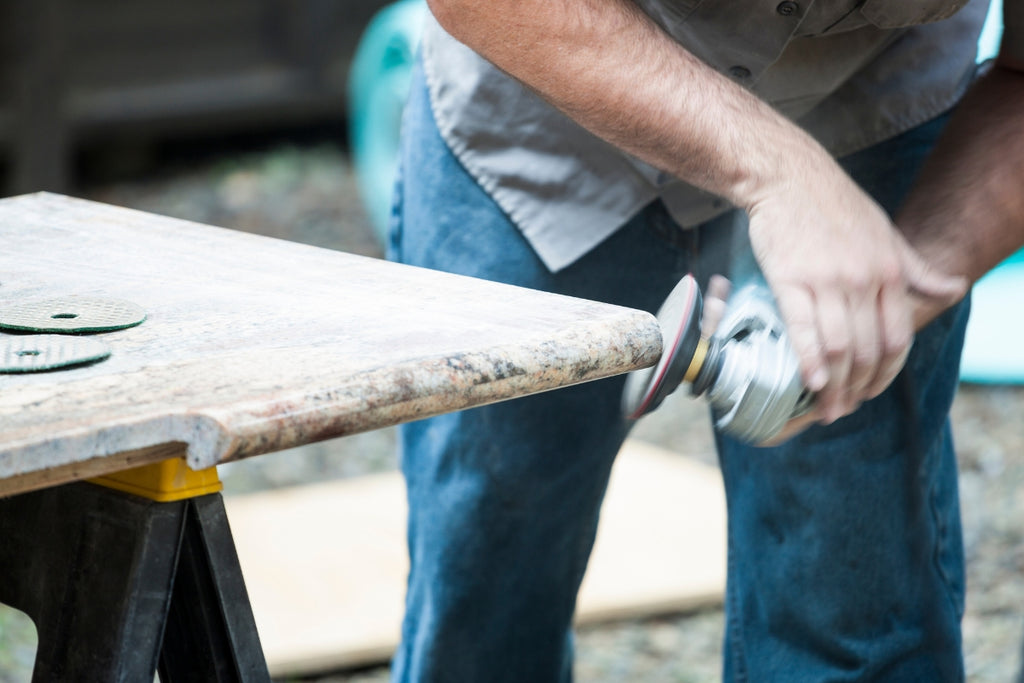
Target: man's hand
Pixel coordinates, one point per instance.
(844, 280)
(966, 211)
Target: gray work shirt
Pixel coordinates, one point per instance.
(850, 72)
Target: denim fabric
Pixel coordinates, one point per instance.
(845, 557)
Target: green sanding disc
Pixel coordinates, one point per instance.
(71, 314)
(39, 352)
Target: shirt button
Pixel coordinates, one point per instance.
(787, 8)
(740, 72)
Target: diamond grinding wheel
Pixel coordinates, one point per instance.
(71, 314)
(679, 318)
(41, 352)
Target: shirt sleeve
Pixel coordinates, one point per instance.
(1013, 30)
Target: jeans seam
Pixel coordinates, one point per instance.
(940, 549)
(941, 542)
(734, 624)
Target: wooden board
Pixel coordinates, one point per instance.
(326, 564)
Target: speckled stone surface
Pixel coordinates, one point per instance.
(253, 345)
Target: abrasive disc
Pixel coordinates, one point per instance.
(679, 319)
(39, 352)
(70, 314)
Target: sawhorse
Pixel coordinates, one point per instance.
(128, 575)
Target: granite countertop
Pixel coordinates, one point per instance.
(253, 344)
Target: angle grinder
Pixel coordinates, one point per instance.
(746, 369)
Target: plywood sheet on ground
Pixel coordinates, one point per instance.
(325, 564)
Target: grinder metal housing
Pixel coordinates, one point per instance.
(746, 369)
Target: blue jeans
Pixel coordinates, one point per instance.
(845, 554)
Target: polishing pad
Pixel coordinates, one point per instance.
(71, 314)
(39, 352)
(679, 319)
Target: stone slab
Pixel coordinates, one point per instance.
(253, 345)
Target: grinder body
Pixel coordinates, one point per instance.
(746, 369)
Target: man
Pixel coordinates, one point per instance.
(604, 148)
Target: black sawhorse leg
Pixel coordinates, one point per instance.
(210, 633)
(119, 585)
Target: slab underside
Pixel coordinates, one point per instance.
(325, 565)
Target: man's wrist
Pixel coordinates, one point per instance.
(789, 166)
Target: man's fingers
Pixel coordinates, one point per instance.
(792, 428)
(714, 304)
(835, 330)
(921, 278)
(897, 335)
(798, 311)
(887, 373)
(867, 343)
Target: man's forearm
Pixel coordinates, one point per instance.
(966, 211)
(610, 68)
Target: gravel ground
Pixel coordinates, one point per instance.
(306, 193)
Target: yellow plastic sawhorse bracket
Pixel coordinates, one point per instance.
(164, 481)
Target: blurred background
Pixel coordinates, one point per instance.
(83, 78)
(279, 117)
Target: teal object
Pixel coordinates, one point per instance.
(993, 353)
(378, 87)
(991, 32)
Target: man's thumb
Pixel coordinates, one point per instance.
(927, 281)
